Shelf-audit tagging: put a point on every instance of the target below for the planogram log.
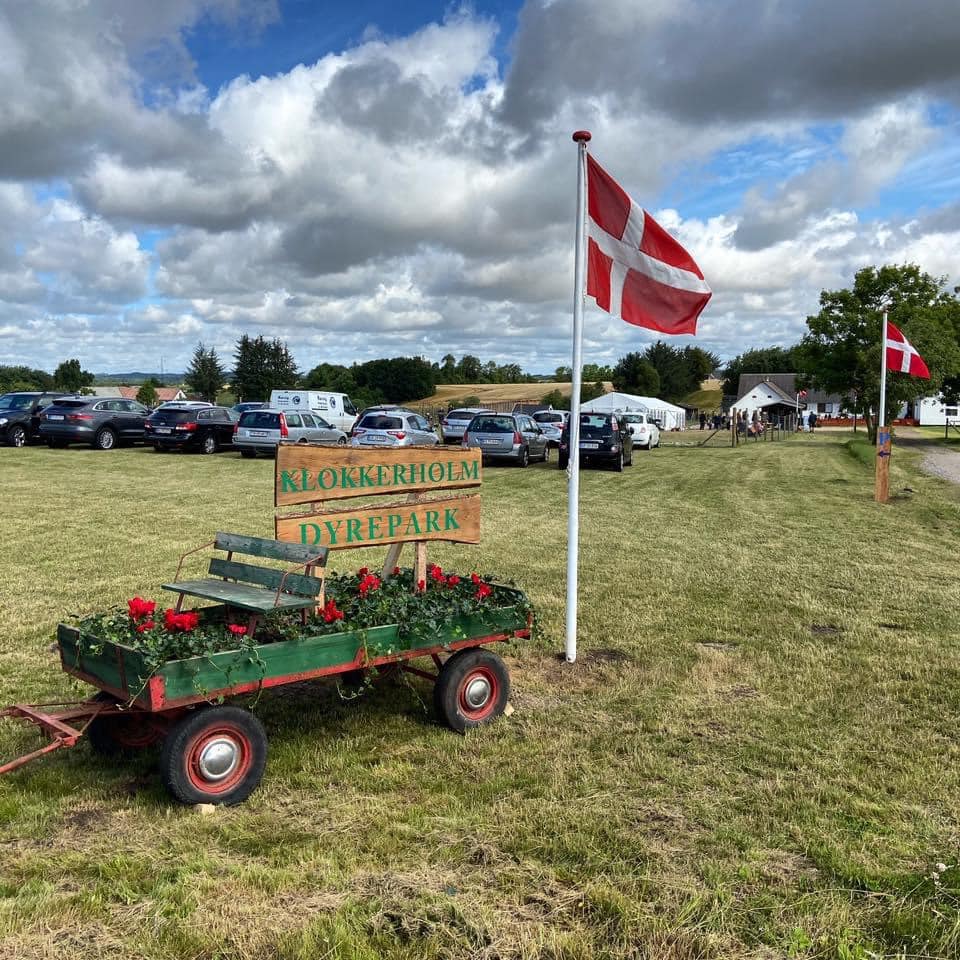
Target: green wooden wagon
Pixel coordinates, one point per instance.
(215, 752)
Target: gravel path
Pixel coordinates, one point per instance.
(938, 461)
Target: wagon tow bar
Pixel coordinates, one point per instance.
(55, 724)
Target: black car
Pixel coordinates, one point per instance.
(207, 429)
(103, 423)
(20, 415)
(605, 438)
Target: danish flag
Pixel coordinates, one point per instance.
(902, 355)
(635, 269)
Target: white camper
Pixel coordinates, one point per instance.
(336, 408)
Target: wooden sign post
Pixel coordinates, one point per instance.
(317, 475)
(881, 488)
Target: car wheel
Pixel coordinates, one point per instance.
(248, 454)
(618, 463)
(562, 461)
(208, 444)
(341, 441)
(214, 755)
(17, 435)
(472, 689)
(546, 453)
(525, 457)
(105, 439)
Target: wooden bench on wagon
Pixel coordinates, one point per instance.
(257, 590)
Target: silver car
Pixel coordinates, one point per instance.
(455, 423)
(393, 427)
(261, 431)
(507, 436)
(551, 423)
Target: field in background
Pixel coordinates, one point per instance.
(755, 756)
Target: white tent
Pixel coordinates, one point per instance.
(671, 416)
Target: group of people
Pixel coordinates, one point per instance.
(719, 421)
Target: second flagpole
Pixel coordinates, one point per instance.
(581, 137)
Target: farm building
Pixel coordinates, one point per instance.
(933, 411)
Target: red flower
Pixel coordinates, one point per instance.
(331, 613)
(475, 579)
(145, 626)
(452, 580)
(483, 591)
(396, 571)
(437, 574)
(421, 586)
(237, 629)
(140, 608)
(362, 572)
(180, 622)
(370, 582)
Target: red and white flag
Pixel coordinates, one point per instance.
(902, 355)
(635, 269)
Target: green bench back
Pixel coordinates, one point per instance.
(297, 583)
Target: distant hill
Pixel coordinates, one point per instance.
(136, 377)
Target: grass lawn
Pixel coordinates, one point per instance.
(756, 754)
(952, 437)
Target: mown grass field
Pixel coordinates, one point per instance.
(756, 754)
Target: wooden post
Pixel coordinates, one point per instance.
(881, 489)
(420, 563)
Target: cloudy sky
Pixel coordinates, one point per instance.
(376, 178)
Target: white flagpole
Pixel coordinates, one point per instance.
(581, 137)
(883, 372)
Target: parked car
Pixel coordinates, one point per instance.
(260, 431)
(393, 427)
(604, 439)
(104, 423)
(551, 423)
(207, 429)
(454, 424)
(646, 431)
(246, 405)
(184, 404)
(507, 436)
(336, 408)
(20, 415)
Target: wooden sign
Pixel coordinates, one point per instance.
(881, 486)
(456, 519)
(312, 473)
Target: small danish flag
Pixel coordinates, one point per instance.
(902, 355)
(635, 269)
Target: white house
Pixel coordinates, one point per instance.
(932, 411)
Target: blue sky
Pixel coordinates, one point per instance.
(380, 179)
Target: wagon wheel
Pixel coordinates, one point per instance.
(472, 689)
(121, 734)
(214, 755)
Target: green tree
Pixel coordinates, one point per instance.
(147, 394)
(261, 366)
(762, 360)
(469, 369)
(448, 370)
(594, 372)
(590, 391)
(24, 378)
(398, 379)
(563, 375)
(556, 399)
(635, 374)
(331, 376)
(69, 376)
(841, 353)
(205, 375)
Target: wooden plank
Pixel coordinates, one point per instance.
(239, 595)
(455, 519)
(268, 549)
(881, 487)
(265, 576)
(309, 474)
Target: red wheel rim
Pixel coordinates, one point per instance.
(478, 694)
(218, 759)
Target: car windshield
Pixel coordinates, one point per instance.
(593, 426)
(461, 414)
(70, 403)
(261, 419)
(377, 421)
(16, 401)
(631, 418)
(493, 425)
(549, 417)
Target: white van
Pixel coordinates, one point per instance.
(336, 408)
